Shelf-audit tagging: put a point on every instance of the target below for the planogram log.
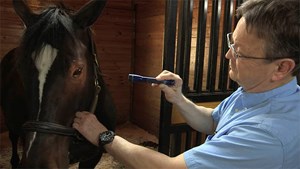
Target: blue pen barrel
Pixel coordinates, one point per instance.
(145, 79)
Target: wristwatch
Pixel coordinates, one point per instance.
(106, 137)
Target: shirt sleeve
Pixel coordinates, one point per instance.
(243, 147)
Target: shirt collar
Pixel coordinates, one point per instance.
(252, 99)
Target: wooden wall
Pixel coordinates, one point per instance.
(114, 32)
(149, 28)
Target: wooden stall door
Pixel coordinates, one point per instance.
(195, 48)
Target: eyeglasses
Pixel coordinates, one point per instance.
(233, 51)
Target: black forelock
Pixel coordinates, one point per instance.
(52, 26)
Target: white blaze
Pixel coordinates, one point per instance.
(43, 63)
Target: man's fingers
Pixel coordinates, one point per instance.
(75, 125)
(81, 114)
(77, 120)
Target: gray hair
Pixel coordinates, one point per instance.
(278, 23)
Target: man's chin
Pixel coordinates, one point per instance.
(232, 76)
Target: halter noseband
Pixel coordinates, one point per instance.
(54, 128)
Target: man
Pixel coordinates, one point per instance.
(258, 126)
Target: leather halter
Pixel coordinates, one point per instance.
(54, 128)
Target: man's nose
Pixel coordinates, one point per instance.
(228, 54)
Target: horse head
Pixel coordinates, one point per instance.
(58, 67)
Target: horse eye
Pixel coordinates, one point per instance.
(77, 72)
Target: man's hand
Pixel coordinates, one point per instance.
(88, 125)
(172, 93)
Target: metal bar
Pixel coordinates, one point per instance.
(198, 138)
(188, 14)
(168, 64)
(200, 46)
(213, 49)
(188, 140)
(184, 42)
(227, 27)
(180, 40)
(178, 141)
(172, 146)
(208, 97)
(180, 127)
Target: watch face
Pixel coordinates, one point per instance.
(106, 137)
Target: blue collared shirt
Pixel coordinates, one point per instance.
(255, 130)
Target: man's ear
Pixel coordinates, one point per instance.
(283, 69)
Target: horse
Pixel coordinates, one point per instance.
(52, 74)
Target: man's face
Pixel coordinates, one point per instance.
(253, 75)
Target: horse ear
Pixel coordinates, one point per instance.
(89, 13)
(24, 12)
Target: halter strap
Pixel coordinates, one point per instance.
(48, 127)
(96, 73)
